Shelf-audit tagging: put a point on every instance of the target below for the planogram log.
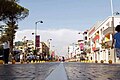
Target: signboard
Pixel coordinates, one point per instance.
(37, 41)
(81, 46)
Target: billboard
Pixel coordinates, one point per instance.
(81, 46)
(37, 43)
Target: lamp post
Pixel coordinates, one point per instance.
(113, 26)
(112, 16)
(116, 13)
(36, 32)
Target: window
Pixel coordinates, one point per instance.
(85, 37)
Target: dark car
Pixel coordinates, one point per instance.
(63, 59)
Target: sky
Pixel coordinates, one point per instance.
(62, 19)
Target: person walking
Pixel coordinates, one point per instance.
(116, 41)
(6, 47)
(21, 57)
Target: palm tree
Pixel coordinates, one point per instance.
(10, 14)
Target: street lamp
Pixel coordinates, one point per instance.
(113, 25)
(36, 32)
(116, 13)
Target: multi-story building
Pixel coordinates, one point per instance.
(27, 44)
(44, 50)
(100, 38)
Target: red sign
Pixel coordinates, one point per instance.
(53, 53)
(81, 46)
(37, 41)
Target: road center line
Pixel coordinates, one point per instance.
(58, 74)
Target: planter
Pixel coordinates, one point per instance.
(110, 61)
(102, 61)
(96, 61)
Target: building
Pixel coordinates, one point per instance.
(26, 45)
(74, 52)
(44, 50)
(100, 38)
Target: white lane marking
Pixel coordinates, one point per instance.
(58, 74)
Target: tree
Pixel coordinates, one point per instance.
(10, 14)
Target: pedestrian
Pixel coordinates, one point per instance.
(116, 41)
(63, 59)
(6, 47)
(21, 57)
(91, 58)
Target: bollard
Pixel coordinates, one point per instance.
(96, 61)
(110, 61)
(102, 61)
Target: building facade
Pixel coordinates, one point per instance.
(44, 50)
(100, 39)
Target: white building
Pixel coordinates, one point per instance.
(99, 34)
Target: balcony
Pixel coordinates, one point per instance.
(106, 45)
(108, 30)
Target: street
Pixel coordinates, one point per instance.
(26, 71)
(60, 71)
(92, 71)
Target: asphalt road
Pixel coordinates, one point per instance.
(92, 71)
(60, 71)
(26, 71)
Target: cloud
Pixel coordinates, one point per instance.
(61, 38)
